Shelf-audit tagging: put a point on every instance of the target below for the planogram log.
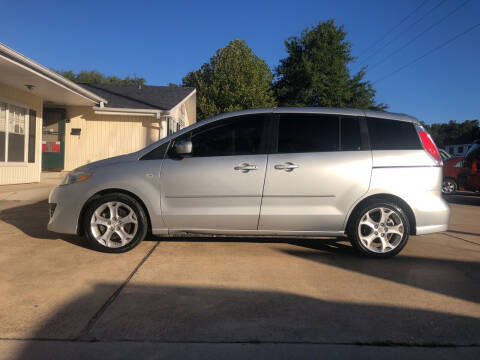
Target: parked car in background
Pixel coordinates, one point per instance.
(458, 149)
(374, 176)
(451, 169)
(445, 155)
(469, 176)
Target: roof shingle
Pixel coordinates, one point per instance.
(144, 97)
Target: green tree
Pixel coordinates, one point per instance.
(96, 77)
(315, 72)
(452, 133)
(234, 79)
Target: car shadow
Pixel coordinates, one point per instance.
(463, 232)
(32, 220)
(448, 277)
(443, 276)
(212, 315)
(463, 199)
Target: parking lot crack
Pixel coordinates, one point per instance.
(86, 331)
(459, 238)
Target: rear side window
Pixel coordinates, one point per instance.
(298, 133)
(388, 134)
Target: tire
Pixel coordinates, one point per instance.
(115, 223)
(389, 236)
(449, 186)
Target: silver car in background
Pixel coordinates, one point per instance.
(374, 176)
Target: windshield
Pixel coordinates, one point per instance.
(473, 153)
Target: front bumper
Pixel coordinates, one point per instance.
(66, 202)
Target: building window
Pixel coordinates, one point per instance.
(171, 126)
(13, 133)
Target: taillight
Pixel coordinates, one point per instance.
(429, 146)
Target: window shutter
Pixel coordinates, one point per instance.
(32, 132)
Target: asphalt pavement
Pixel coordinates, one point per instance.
(235, 298)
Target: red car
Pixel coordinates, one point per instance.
(469, 176)
(451, 169)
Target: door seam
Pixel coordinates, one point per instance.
(263, 190)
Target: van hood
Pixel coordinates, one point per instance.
(110, 161)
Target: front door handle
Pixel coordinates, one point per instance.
(245, 167)
(288, 166)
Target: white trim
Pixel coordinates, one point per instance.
(124, 113)
(130, 112)
(39, 70)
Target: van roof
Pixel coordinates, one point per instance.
(322, 110)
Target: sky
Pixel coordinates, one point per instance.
(164, 40)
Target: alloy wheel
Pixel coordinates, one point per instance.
(448, 186)
(114, 224)
(381, 230)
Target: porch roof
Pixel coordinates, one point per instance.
(18, 71)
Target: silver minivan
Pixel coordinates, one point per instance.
(321, 172)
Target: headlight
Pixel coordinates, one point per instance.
(76, 176)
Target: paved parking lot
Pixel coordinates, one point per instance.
(237, 298)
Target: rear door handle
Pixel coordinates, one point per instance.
(245, 167)
(288, 166)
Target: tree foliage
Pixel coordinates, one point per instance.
(96, 77)
(234, 79)
(315, 72)
(452, 133)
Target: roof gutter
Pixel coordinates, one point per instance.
(47, 73)
(130, 112)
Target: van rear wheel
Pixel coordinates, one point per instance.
(379, 229)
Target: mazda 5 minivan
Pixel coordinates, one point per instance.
(373, 176)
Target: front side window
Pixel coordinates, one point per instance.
(242, 135)
(300, 133)
(388, 134)
(156, 154)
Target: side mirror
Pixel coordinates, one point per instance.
(183, 148)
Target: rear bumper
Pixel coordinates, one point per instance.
(432, 212)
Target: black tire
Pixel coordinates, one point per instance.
(357, 216)
(449, 186)
(136, 208)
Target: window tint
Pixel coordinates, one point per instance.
(242, 135)
(156, 154)
(299, 133)
(388, 134)
(350, 138)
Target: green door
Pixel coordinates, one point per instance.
(53, 139)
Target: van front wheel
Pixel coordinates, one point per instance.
(115, 223)
(379, 229)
